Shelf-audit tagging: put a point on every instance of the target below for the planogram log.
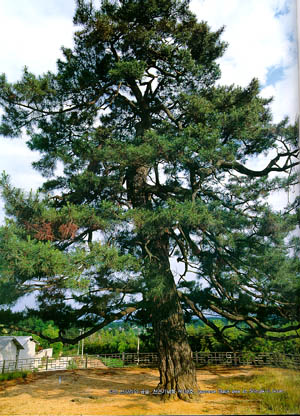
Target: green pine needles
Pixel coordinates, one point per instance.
(155, 168)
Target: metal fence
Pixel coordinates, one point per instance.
(248, 358)
(150, 359)
(35, 364)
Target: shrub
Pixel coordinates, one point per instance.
(14, 375)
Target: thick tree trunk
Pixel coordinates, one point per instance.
(176, 366)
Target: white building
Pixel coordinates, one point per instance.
(16, 348)
(18, 352)
(44, 353)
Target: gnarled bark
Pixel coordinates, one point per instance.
(176, 366)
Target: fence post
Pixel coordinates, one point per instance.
(47, 363)
(3, 367)
(86, 361)
(123, 356)
(235, 359)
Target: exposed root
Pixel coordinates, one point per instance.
(171, 395)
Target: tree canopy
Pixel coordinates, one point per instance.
(154, 154)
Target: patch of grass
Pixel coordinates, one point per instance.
(276, 391)
(13, 375)
(112, 362)
(72, 365)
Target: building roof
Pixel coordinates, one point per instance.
(17, 344)
(4, 342)
(19, 341)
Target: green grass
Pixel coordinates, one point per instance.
(281, 390)
(112, 362)
(13, 375)
(72, 365)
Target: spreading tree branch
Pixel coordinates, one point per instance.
(72, 341)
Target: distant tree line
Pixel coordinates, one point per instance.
(123, 337)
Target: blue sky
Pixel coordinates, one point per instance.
(274, 75)
(262, 44)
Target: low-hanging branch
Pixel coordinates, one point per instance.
(200, 315)
(271, 167)
(61, 338)
(247, 319)
(251, 321)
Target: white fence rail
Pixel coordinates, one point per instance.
(35, 364)
(150, 359)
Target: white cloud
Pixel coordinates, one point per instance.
(257, 40)
(13, 155)
(285, 93)
(32, 34)
(31, 38)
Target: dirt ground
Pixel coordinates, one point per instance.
(88, 392)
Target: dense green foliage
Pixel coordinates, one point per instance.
(14, 374)
(204, 339)
(154, 154)
(122, 337)
(111, 341)
(47, 329)
(201, 338)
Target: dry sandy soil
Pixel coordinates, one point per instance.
(87, 392)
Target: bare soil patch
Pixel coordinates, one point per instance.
(87, 392)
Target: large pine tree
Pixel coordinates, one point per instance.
(154, 155)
